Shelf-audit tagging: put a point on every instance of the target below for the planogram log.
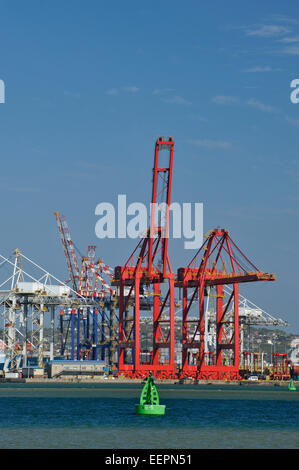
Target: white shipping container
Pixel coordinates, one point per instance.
(33, 287)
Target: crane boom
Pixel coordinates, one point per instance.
(71, 246)
(66, 251)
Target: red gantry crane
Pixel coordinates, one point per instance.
(149, 267)
(218, 262)
(89, 281)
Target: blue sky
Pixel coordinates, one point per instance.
(91, 85)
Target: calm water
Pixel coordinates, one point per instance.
(68, 416)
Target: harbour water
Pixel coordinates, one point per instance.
(101, 416)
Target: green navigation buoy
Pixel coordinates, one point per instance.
(291, 385)
(149, 400)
